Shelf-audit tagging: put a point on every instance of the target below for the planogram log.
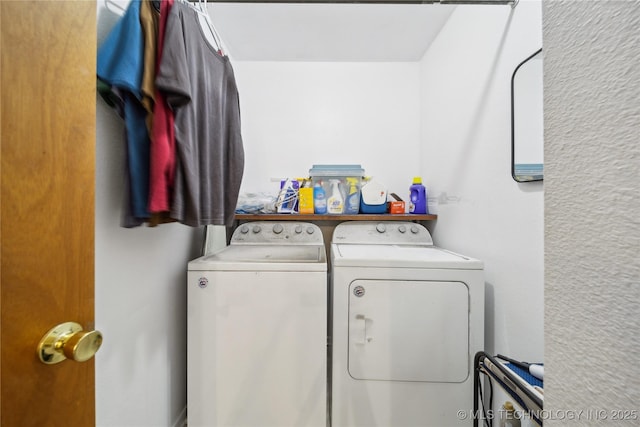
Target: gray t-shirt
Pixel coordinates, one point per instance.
(200, 87)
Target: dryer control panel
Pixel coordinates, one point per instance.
(272, 232)
(382, 232)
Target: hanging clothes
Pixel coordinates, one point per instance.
(120, 66)
(199, 85)
(149, 19)
(163, 151)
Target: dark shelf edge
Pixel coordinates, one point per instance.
(358, 217)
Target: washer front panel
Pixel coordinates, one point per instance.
(256, 348)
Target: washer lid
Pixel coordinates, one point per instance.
(400, 256)
(264, 258)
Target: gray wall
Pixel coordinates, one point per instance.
(592, 230)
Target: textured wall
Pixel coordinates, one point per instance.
(592, 226)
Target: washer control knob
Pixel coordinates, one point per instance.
(381, 228)
(278, 228)
(244, 229)
(402, 229)
(415, 229)
(298, 229)
(256, 229)
(310, 230)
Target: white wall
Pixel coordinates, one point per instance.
(140, 291)
(592, 231)
(466, 140)
(296, 114)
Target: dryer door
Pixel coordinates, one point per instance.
(409, 331)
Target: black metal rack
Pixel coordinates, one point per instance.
(509, 380)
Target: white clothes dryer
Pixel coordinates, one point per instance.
(257, 329)
(407, 320)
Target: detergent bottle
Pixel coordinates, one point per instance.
(353, 197)
(418, 197)
(335, 202)
(319, 199)
(305, 205)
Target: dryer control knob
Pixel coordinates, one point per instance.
(381, 228)
(298, 229)
(244, 229)
(256, 229)
(310, 230)
(278, 228)
(415, 229)
(402, 229)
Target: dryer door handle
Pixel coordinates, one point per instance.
(361, 336)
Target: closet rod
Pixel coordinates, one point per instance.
(493, 2)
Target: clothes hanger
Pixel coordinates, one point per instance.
(120, 10)
(202, 6)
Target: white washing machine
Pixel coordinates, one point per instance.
(408, 318)
(257, 329)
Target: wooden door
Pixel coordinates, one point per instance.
(48, 56)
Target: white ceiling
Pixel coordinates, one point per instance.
(328, 32)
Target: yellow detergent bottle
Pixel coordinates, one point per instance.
(306, 197)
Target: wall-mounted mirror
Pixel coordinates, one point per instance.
(527, 129)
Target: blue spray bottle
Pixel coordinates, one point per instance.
(352, 205)
(319, 199)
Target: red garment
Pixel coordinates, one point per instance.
(163, 140)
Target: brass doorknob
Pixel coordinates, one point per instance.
(68, 341)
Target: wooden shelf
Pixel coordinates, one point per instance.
(358, 217)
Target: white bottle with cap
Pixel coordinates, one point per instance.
(335, 202)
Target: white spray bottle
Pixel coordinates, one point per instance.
(335, 202)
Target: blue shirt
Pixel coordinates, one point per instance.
(120, 65)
